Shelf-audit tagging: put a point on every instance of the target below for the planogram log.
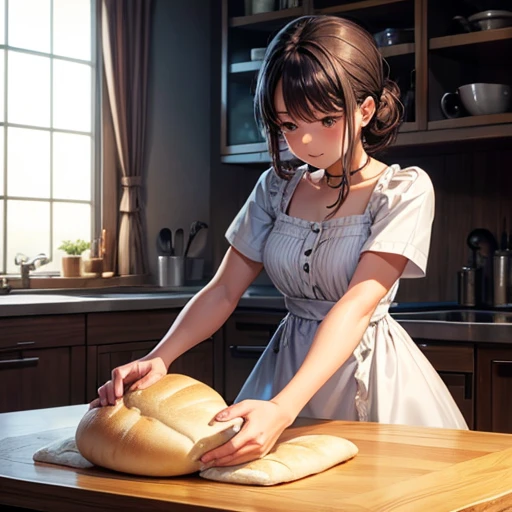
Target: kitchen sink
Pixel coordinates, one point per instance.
(457, 316)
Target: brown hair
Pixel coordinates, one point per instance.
(327, 64)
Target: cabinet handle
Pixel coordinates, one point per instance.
(502, 362)
(246, 350)
(24, 362)
(19, 346)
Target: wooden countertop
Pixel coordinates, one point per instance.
(398, 468)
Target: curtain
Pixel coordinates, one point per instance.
(125, 40)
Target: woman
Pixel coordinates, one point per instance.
(334, 236)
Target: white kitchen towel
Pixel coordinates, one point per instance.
(63, 452)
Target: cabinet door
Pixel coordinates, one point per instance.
(101, 359)
(40, 378)
(455, 365)
(245, 337)
(494, 399)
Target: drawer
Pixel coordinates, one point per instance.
(42, 331)
(128, 326)
(449, 357)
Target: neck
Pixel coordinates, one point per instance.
(360, 164)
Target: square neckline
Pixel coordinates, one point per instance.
(291, 186)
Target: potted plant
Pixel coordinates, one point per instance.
(71, 262)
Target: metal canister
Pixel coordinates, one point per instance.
(468, 285)
(501, 263)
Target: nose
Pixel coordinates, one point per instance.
(307, 138)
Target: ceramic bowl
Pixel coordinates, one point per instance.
(481, 99)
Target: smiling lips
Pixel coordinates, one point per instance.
(315, 156)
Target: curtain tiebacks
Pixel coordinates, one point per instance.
(131, 181)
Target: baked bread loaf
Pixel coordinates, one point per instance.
(290, 460)
(162, 430)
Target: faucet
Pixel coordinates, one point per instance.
(5, 287)
(26, 265)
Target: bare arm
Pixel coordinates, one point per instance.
(204, 314)
(207, 311)
(335, 340)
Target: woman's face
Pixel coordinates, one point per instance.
(318, 143)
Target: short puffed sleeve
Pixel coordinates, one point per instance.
(402, 209)
(250, 228)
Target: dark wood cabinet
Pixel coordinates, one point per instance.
(455, 364)
(116, 338)
(42, 362)
(246, 334)
(494, 389)
(101, 359)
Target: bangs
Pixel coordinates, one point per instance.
(309, 90)
(310, 86)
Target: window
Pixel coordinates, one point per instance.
(47, 127)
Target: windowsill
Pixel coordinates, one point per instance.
(51, 283)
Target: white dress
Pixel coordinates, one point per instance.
(387, 379)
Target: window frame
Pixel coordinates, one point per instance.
(96, 201)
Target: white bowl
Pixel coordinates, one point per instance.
(485, 99)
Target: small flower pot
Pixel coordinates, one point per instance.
(71, 266)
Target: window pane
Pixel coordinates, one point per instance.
(72, 174)
(2, 192)
(70, 222)
(28, 92)
(28, 230)
(29, 24)
(28, 163)
(71, 96)
(2, 23)
(72, 28)
(2, 263)
(2, 69)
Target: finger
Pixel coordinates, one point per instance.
(245, 454)
(122, 376)
(102, 394)
(111, 397)
(239, 410)
(146, 381)
(95, 403)
(232, 446)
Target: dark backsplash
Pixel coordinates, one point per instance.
(473, 185)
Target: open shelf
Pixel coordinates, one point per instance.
(484, 36)
(397, 49)
(357, 6)
(257, 152)
(245, 67)
(375, 15)
(464, 122)
(386, 51)
(408, 127)
(266, 19)
(487, 44)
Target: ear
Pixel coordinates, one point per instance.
(367, 110)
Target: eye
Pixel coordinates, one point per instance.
(288, 127)
(328, 122)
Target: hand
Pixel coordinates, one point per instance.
(264, 423)
(138, 374)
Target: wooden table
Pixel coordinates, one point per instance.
(398, 468)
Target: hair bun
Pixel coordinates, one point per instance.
(382, 130)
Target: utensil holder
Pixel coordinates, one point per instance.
(171, 271)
